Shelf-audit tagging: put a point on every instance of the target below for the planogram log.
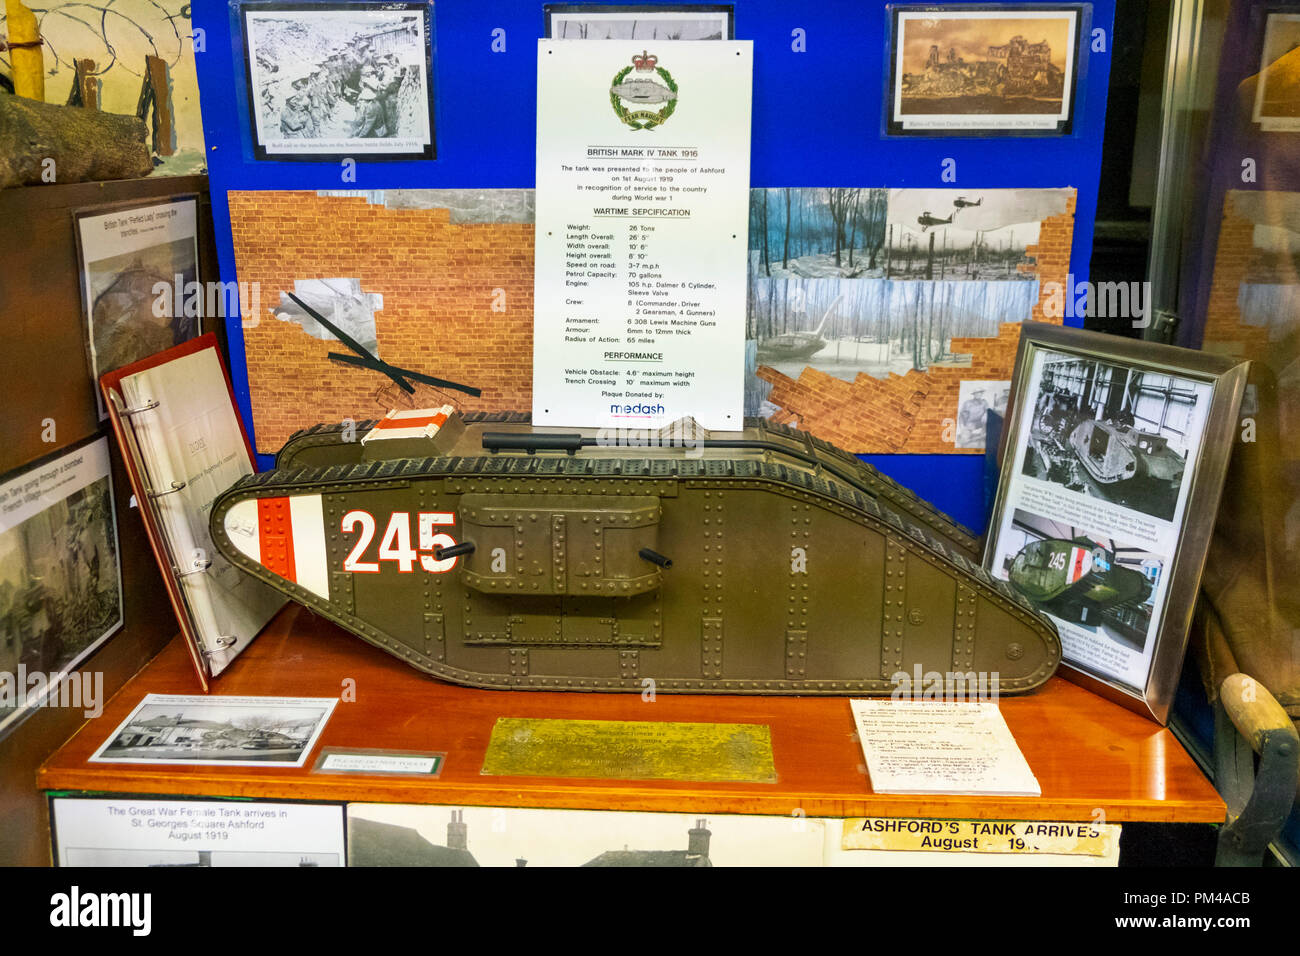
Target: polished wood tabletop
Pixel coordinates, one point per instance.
(1094, 760)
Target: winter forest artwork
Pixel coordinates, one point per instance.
(331, 80)
(880, 282)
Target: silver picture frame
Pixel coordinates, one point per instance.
(1170, 529)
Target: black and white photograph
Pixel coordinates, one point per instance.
(139, 277)
(231, 731)
(983, 70)
(975, 399)
(1277, 92)
(331, 80)
(1122, 435)
(653, 22)
(60, 578)
(441, 836)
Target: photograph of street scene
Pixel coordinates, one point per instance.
(236, 730)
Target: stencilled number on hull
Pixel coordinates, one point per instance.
(395, 545)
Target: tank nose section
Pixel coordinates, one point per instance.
(285, 536)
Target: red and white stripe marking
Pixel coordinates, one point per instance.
(1080, 563)
(416, 423)
(285, 535)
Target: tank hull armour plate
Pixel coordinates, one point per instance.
(763, 562)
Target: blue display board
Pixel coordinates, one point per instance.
(820, 71)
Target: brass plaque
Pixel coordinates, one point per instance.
(630, 750)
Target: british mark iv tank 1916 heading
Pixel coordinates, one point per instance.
(486, 552)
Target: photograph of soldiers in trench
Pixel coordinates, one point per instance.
(338, 77)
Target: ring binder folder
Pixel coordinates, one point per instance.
(176, 486)
(146, 407)
(195, 570)
(189, 444)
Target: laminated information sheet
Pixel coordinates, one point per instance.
(642, 233)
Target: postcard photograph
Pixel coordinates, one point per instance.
(986, 69)
(330, 80)
(235, 731)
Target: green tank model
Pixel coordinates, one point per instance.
(489, 553)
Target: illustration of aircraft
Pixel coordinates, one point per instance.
(961, 202)
(926, 220)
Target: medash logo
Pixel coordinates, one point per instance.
(637, 409)
(74, 909)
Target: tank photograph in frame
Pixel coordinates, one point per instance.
(1113, 458)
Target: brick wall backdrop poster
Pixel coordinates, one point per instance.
(868, 308)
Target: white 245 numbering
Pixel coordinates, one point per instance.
(395, 545)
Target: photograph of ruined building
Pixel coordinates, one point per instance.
(441, 282)
(983, 65)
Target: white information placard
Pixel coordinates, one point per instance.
(121, 832)
(642, 217)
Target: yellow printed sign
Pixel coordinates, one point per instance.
(981, 836)
(630, 750)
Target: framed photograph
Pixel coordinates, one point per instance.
(60, 579)
(998, 69)
(227, 731)
(329, 81)
(139, 266)
(1277, 92)
(1113, 458)
(653, 22)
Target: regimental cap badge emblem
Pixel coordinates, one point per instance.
(643, 84)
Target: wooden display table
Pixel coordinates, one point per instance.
(1087, 753)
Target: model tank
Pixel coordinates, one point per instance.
(487, 552)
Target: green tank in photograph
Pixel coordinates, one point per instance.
(1076, 579)
(486, 552)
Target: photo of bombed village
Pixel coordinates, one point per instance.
(980, 65)
(878, 282)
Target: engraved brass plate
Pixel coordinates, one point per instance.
(630, 750)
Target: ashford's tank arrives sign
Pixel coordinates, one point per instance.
(488, 552)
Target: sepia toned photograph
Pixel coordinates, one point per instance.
(330, 80)
(602, 21)
(231, 731)
(1277, 93)
(60, 578)
(986, 69)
